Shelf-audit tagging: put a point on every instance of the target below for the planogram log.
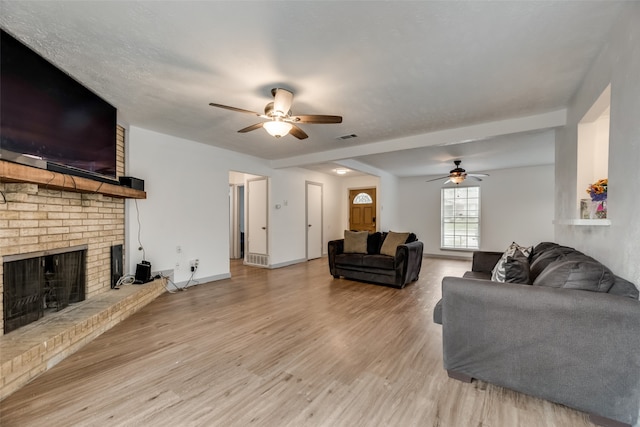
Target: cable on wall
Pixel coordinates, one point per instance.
(140, 247)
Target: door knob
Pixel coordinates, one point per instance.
(264, 228)
(309, 225)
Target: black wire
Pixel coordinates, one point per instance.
(4, 199)
(144, 256)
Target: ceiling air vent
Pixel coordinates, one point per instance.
(353, 135)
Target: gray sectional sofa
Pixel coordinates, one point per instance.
(569, 334)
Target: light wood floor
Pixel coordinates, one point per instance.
(285, 347)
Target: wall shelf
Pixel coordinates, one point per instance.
(14, 172)
(583, 222)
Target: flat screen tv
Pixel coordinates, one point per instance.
(45, 113)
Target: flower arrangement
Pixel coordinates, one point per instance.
(598, 190)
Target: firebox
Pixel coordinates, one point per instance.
(42, 282)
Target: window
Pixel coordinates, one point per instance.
(362, 199)
(460, 227)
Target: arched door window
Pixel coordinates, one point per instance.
(362, 199)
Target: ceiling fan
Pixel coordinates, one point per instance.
(458, 175)
(278, 113)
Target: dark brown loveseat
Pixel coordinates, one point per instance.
(372, 266)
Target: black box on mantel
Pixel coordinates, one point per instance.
(131, 182)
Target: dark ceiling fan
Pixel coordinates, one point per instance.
(458, 175)
(278, 113)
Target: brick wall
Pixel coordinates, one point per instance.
(35, 218)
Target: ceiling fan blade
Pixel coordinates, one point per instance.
(282, 100)
(437, 179)
(297, 132)
(316, 119)
(474, 177)
(477, 174)
(239, 110)
(447, 181)
(250, 128)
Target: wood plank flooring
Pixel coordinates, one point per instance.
(285, 347)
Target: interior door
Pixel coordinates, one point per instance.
(257, 220)
(362, 209)
(314, 220)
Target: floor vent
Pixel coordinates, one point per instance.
(256, 259)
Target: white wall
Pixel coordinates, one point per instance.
(516, 205)
(187, 205)
(619, 64)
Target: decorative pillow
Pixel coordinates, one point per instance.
(355, 242)
(624, 288)
(391, 243)
(498, 274)
(582, 273)
(516, 269)
(373, 243)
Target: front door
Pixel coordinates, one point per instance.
(362, 209)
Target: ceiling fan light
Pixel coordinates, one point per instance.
(457, 179)
(277, 128)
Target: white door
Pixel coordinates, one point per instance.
(314, 220)
(257, 216)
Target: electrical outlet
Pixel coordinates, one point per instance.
(177, 266)
(178, 249)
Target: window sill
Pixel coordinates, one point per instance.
(583, 222)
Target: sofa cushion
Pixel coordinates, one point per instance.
(544, 259)
(498, 273)
(392, 241)
(482, 275)
(541, 248)
(379, 261)
(355, 242)
(349, 259)
(517, 269)
(373, 243)
(576, 272)
(624, 288)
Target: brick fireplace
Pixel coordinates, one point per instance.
(53, 216)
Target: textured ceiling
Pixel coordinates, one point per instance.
(393, 69)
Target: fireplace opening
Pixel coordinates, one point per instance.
(42, 283)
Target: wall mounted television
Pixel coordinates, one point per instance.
(46, 114)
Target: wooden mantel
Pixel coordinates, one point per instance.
(14, 172)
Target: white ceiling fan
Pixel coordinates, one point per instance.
(458, 175)
(278, 113)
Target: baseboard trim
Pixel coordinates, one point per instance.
(203, 280)
(287, 263)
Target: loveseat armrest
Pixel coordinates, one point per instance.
(408, 262)
(577, 348)
(484, 261)
(335, 247)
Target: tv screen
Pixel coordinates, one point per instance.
(46, 113)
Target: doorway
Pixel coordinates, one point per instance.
(314, 220)
(256, 241)
(362, 209)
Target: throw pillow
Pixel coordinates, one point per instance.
(355, 242)
(516, 269)
(391, 243)
(498, 274)
(373, 243)
(582, 273)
